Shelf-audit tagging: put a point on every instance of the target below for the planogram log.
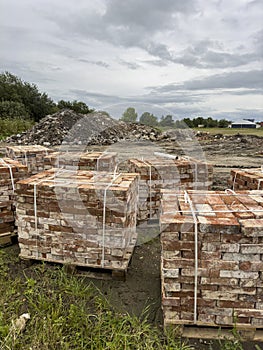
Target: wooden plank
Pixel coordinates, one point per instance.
(7, 239)
(246, 333)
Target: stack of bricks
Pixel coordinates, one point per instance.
(81, 218)
(246, 179)
(163, 172)
(224, 231)
(10, 172)
(32, 156)
(100, 161)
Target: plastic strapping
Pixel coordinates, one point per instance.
(234, 181)
(25, 158)
(104, 219)
(188, 199)
(229, 190)
(165, 155)
(11, 173)
(150, 185)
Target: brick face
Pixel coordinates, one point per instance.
(8, 196)
(229, 275)
(246, 179)
(73, 225)
(32, 156)
(91, 161)
(157, 173)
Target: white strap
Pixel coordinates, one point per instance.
(234, 182)
(188, 199)
(150, 184)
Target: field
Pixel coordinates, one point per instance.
(232, 131)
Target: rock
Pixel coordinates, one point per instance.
(97, 128)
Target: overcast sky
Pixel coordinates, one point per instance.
(181, 57)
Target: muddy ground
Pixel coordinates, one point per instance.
(140, 293)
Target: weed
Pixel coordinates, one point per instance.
(69, 313)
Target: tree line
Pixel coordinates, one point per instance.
(19, 99)
(131, 116)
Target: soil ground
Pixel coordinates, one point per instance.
(141, 292)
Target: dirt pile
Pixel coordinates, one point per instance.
(97, 128)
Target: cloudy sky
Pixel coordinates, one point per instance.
(187, 58)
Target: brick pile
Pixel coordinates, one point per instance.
(246, 179)
(229, 246)
(82, 218)
(32, 156)
(11, 171)
(157, 173)
(100, 161)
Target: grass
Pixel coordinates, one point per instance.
(230, 131)
(11, 126)
(68, 313)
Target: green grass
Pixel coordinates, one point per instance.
(11, 126)
(68, 313)
(230, 131)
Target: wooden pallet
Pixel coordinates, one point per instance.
(7, 239)
(244, 332)
(83, 271)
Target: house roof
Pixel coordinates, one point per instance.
(244, 122)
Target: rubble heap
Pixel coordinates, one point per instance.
(246, 179)
(166, 172)
(212, 246)
(96, 128)
(81, 218)
(32, 156)
(100, 161)
(11, 172)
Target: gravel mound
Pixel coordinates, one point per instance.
(97, 128)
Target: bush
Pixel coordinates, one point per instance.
(11, 126)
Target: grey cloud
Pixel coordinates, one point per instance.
(97, 63)
(149, 98)
(258, 41)
(233, 80)
(130, 65)
(158, 62)
(131, 23)
(150, 15)
(210, 54)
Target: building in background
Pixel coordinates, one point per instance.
(240, 124)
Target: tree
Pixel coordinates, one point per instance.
(76, 106)
(12, 109)
(211, 123)
(188, 122)
(129, 115)
(167, 121)
(13, 89)
(148, 119)
(223, 123)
